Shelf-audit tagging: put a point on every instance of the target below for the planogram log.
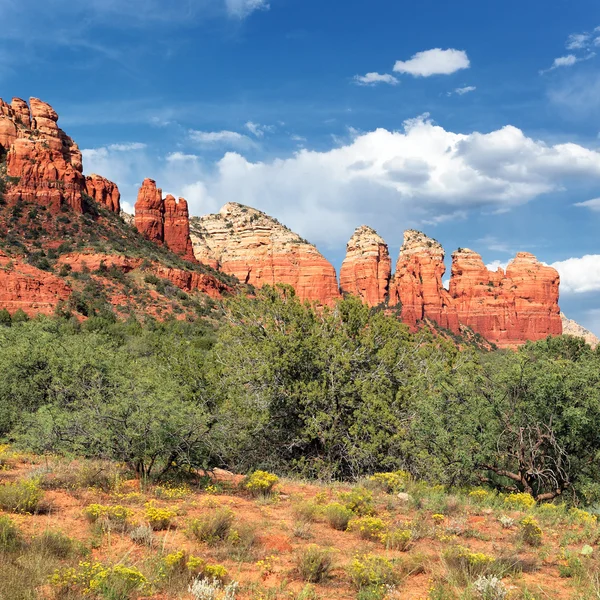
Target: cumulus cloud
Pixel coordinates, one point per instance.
(222, 138)
(496, 264)
(242, 8)
(593, 204)
(372, 79)
(579, 275)
(390, 180)
(577, 41)
(434, 62)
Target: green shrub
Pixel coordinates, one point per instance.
(337, 515)
(530, 531)
(21, 496)
(372, 570)
(306, 511)
(261, 483)
(10, 536)
(521, 501)
(368, 528)
(391, 483)
(108, 516)
(159, 518)
(213, 527)
(398, 539)
(359, 501)
(56, 544)
(467, 564)
(314, 563)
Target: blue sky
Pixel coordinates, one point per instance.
(476, 122)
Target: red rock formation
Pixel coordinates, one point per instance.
(366, 270)
(164, 221)
(29, 289)
(417, 283)
(506, 309)
(189, 281)
(177, 227)
(104, 192)
(150, 212)
(43, 160)
(258, 250)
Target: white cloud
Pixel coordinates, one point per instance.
(258, 130)
(579, 275)
(461, 91)
(372, 79)
(577, 41)
(497, 264)
(593, 204)
(223, 138)
(434, 62)
(127, 147)
(242, 8)
(180, 157)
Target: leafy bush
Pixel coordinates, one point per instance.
(314, 563)
(142, 535)
(392, 482)
(368, 528)
(306, 511)
(337, 515)
(72, 475)
(108, 516)
(159, 518)
(530, 532)
(465, 563)
(10, 536)
(21, 496)
(490, 588)
(213, 527)
(479, 495)
(372, 570)
(582, 516)
(398, 539)
(261, 483)
(56, 544)
(359, 501)
(521, 501)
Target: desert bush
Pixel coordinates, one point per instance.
(337, 515)
(398, 539)
(530, 531)
(521, 501)
(506, 521)
(261, 483)
(10, 536)
(241, 543)
(213, 527)
(159, 518)
(391, 483)
(583, 517)
(21, 496)
(204, 588)
(314, 563)
(479, 495)
(466, 564)
(142, 535)
(108, 517)
(490, 588)
(372, 570)
(368, 528)
(359, 501)
(72, 475)
(56, 544)
(172, 492)
(306, 511)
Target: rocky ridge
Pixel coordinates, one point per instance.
(570, 327)
(258, 250)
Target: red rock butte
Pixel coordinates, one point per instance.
(163, 220)
(43, 163)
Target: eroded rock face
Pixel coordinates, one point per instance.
(506, 308)
(164, 221)
(367, 268)
(571, 327)
(417, 283)
(258, 250)
(104, 192)
(24, 287)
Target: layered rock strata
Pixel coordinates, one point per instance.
(417, 284)
(367, 268)
(163, 220)
(104, 192)
(43, 164)
(506, 308)
(258, 250)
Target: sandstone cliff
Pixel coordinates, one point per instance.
(506, 308)
(258, 250)
(163, 220)
(417, 283)
(104, 192)
(366, 270)
(43, 163)
(570, 327)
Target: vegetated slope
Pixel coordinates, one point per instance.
(90, 531)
